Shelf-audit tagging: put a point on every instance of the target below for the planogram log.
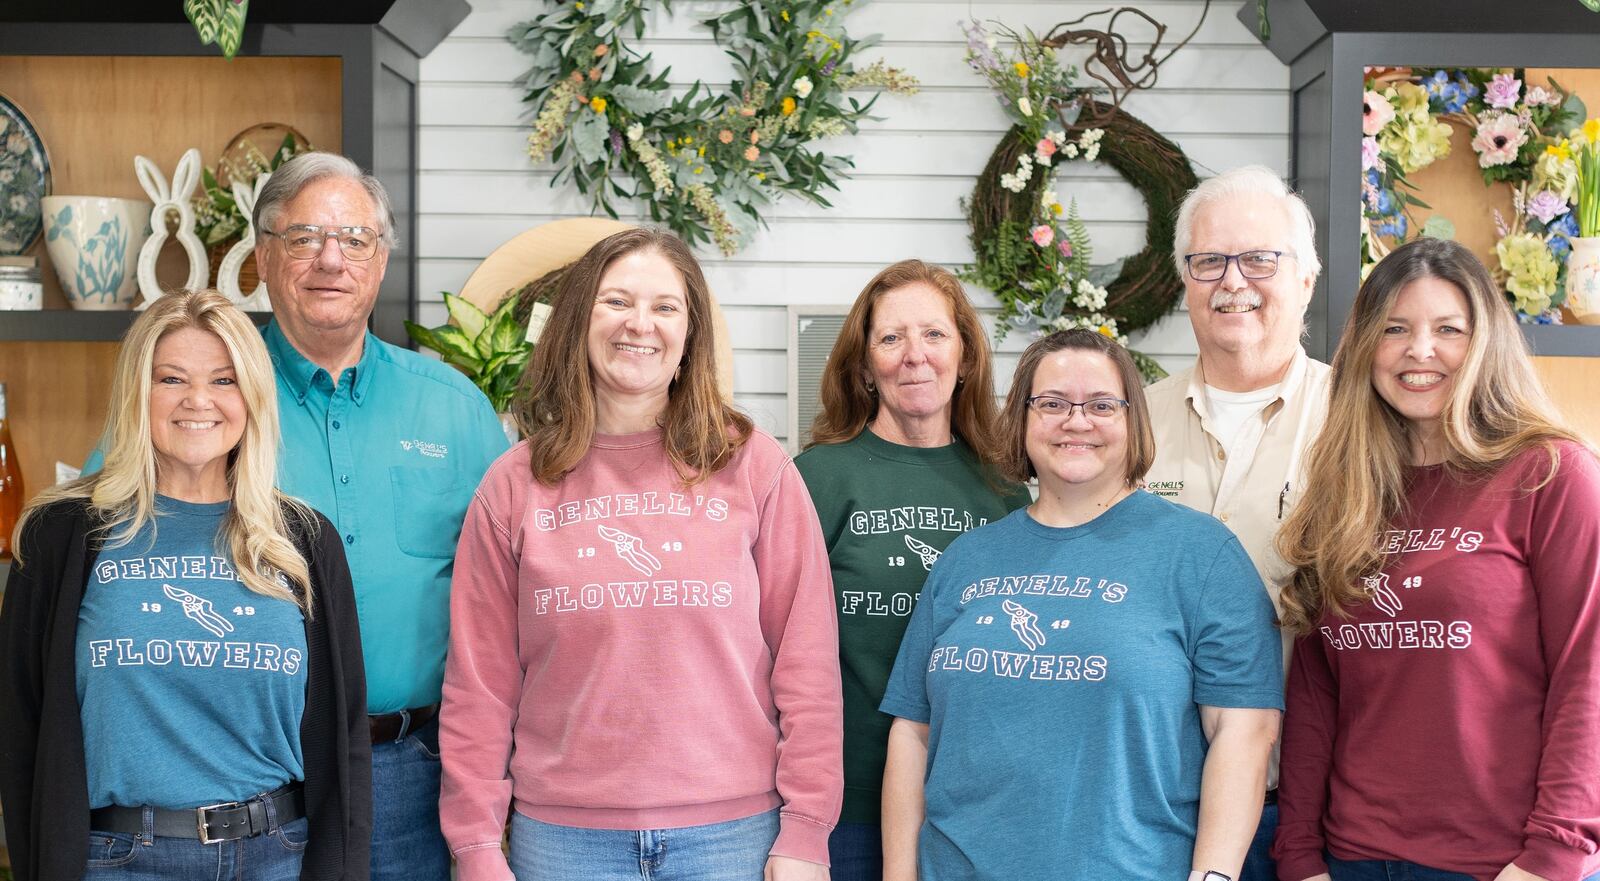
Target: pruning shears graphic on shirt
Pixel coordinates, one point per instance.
(1024, 624)
(1377, 587)
(631, 549)
(928, 553)
(199, 610)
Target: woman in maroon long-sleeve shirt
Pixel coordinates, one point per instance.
(1444, 699)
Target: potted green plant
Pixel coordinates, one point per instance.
(491, 349)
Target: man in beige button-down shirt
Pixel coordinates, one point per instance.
(1232, 433)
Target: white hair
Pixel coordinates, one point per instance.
(295, 175)
(1251, 180)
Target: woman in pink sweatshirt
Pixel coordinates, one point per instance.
(1443, 715)
(643, 660)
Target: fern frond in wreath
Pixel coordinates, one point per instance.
(705, 163)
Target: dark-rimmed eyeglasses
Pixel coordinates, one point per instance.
(1052, 407)
(1210, 266)
(304, 241)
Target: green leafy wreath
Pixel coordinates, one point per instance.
(1033, 252)
(706, 164)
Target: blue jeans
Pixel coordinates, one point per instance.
(731, 851)
(406, 842)
(274, 856)
(856, 851)
(1395, 870)
(1258, 864)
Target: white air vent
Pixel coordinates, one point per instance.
(812, 332)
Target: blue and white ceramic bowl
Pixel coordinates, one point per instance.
(94, 242)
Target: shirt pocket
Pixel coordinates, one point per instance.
(429, 505)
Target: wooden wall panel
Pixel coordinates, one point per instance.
(56, 396)
(1575, 385)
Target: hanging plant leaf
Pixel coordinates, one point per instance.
(206, 16)
(231, 33)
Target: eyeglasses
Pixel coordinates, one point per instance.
(304, 241)
(1052, 407)
(1252, 264)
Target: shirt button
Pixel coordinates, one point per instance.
(344, 478)
(1224, 518)
(336, 424)
(1220, 454)
(350, 539)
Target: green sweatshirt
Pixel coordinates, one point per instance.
(887, 512)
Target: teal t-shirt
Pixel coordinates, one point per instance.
(887, 512)
(1061, 671)
(191, 686)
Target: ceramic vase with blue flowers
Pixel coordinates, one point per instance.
(94, 243)
(1583, 279)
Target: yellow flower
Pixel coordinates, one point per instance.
(1056, 209)
(1022, 69)
(598, 105)
(1591, 130)
(702, 150)
(1562, 149)
(1105, 330)
(788, 106)
(578, 6)
(688, 139)
(828, 11)
(784, 15)
(699, 168)
(761, 175)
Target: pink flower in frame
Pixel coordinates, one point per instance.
(1376, 111)
(1503, 91)
(1043, 235)
(1370, 155)
(1498, 139)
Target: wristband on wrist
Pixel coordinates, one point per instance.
(1198, 875)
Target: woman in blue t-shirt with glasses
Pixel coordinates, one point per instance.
(1089, 688)
(181, 687)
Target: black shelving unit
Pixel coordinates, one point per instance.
(380, 44)
(1328, 44)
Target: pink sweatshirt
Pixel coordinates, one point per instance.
(628, 653)
(1454, 720)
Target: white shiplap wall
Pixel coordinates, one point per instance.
(1223, 98)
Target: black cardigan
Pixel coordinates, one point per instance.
(44, 786)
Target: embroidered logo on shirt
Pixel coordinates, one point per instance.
(199, 610)
(928, 553)
(426, 448)
(1167, 488)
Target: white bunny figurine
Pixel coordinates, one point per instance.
(228, 274)
(177, 198)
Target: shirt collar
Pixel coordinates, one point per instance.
(1293, 381)
(298, 372)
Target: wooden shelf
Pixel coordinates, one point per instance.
(67, 325)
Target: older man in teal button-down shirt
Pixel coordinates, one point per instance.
(390, 445)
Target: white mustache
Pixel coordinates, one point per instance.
(1223, 299)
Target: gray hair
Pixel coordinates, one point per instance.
(1251, 180)
(301, 171)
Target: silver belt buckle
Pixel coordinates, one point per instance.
(200, 820)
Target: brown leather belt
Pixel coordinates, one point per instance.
(391, 727)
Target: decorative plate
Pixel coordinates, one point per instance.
(24, 180)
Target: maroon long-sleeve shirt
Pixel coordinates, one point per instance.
(1454, 720)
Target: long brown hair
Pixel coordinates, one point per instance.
(1355, 474)
(848, 403)
(555, 407)
(258, 527)
(1014, 462)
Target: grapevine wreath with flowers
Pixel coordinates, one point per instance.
(705, 162)
(1034, 252)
